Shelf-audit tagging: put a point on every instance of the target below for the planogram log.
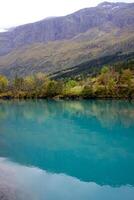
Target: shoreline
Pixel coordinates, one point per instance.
(66, 98)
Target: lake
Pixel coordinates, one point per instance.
(66, 150)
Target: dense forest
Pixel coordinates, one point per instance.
(110, 82)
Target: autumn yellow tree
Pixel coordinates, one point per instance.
(3, 83)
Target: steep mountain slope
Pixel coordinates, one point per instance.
(60, 43)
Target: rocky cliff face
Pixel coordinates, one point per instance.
(86, 25)
(59, 28)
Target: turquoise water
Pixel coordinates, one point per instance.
(67, 150)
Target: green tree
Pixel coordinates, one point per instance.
(54, 88)
(111, 86)
(87, 91)
(3, 83)
(71, 83)
(126, 81)
(126, 77)
(18, 83)
(29, 83)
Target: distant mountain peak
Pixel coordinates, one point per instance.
(105, 3)
(110, 4)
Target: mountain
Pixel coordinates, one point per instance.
(61, 43)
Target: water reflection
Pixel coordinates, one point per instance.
(34, 184)
(90, 140)
(108, 113)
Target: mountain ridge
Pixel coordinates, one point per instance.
(63, 42)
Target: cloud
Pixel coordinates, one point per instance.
(14, 12)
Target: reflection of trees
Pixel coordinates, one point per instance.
(30, 110)
(108, 113)
(36, 111)
(113, 112)
(3, 111)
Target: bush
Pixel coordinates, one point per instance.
(87, 91)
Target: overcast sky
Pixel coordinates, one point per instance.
(17, 12)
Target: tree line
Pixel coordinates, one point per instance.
(109, 83)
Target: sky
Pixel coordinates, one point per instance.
(17, 12)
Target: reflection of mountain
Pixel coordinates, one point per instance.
(75, 138)
(29, 183)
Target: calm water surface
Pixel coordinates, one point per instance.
(66, 150)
